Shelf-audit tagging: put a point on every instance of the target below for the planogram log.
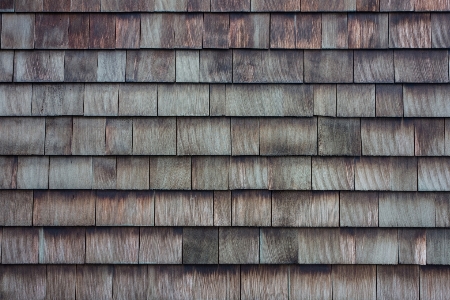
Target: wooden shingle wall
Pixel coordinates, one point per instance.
(224, 149)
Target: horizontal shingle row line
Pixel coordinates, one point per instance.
(224, 208)
(220, 5)
(225, 282)
(243, 100)
(222, 173)
(227, 66)
(225, 136)
(223, 245)
(262, 31)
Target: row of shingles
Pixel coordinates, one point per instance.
(222, 5)
(237, 66)
(223, 245)
(341, 100)
(224, 208)
(221, 173)
(312, 136)
(263, 31)
(218, 282)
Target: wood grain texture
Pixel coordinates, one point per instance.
(15, 100)
(429, 136)
(39, 66)
(326, 246)
(79, 30)
(376, 246)
(255, 66)
(409, 30)
(386, 174)
(394, 282)
(367, 5)
(230, 5)
(188, 30)
(22, 282)
(8, 177)
(264, 282)
(440, 25)
(374, 66)
(329, 66)
(104, 172)
(222, 208)
(323, 5)
(289, 173)
(288, 136)
(18, 31)
(198, 5)
(433, 174)
(442, 203)
(406, 210)
(238, 245)
(269, 100)
(17, 208)
(425, 100)
(94, 282)
(274, 250)
(397, 5)
(421, 66)
(85, 5)
(64, 208)
(138, 100)
(338, 136)
(310, 282)
(216, 66)
(305, 209)
(102, 31)
(133, 173)
(183, 100)
(251, 208)
(334, 31)
(88, 136)
(32, 172)
(116, 208)
(210, 172)
(200, 245)
(154, 136)
(112, 245)
(439, 5)
(368, 31)
(6, 66)
(248, 173)
(119, 136)
(447, 136)
(150, 66)
(333, 173)
(387, 137)
(101, 100)
(434, 282)
(249, 30)
(217, 100)
(111, 66)
(128, 31)
(171, 5)
(282, 30)
(308, 31)
(273, 5)
(354, 282)
(245, 138)
(215, 31)
(184, 209)
(58, 136)
(7, 6)
(20, 245)
(57, 100)
(22, 136)
(389, 100)
(26, 6)
(161, 245)
(61, 282)
(356, 100)
(80, 66)
(53, 6)
(200, 136)
(62, 245)
(51, 31)
(130, 281)
(187, 66)
(157, 30)
(412, 246)
(325, 100)
(438, 241)
(358, 209)
(170, 172)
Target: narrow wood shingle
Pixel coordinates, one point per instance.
(222, 208)
(433, 282)
(17, 208)
(440, 26)
(102, 31)
(245, 136)
(15, 100)
(79, 29)
(412, 246)
(249, 172)
(111, 66)
(249, 30)
(389, 100)
(88, 136)
(104, 172)
(128, 31)
(161, 245)
(133, 173)
(325, 100)
(215, 31)
(433, 174)
(438, 241)
(32, 172)
(58, 136)
(6, 66)
(8, 177)
(251, 208)
(429, 137)
(61, 281)
(283, 30)
(308, 31)
(334, 31)
(119, 136)
(187, 64)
